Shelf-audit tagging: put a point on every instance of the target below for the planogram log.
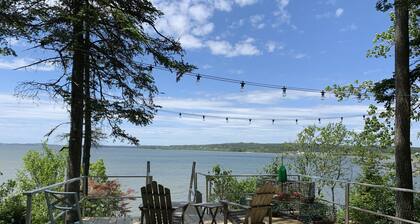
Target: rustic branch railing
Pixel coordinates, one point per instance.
(347, 188)
(30, 194)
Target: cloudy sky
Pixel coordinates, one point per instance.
(299, 43)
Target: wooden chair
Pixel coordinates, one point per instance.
(254, 213)
(157, 206)
(62, 202)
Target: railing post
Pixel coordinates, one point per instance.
(28, 219)
(207, 188)
(148, 181)
(190, 189)
(347, 203)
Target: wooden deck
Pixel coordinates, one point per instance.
(190, 218)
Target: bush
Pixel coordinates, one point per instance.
(46, 167)
(226, 187)
(12, 207)
(101, 193)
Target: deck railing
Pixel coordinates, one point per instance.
(347, 188)
(208, 186)
(83, 180)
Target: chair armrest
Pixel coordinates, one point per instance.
(182, 205)
(227, 203)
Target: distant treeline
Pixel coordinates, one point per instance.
(240, 147)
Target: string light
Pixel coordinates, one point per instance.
(257, 84)
(284, 91)
(242, 85)
(322, 94)
(272, 120)
(198, 78)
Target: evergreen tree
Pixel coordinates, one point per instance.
(102, 48)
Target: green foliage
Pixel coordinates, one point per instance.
(384, 41)
(226, 187)
(46, 167)
(41, 168)
(12, 207)
(369, 145)
(99, 188)
(323, 152)
(98, 170)
(122, 37)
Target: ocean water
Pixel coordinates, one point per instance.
(170, 168)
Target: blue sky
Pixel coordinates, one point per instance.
(298, 43)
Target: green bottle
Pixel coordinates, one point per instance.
(282, 173)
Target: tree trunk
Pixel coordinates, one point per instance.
(88, 113)
(404, 201)
(76, 113)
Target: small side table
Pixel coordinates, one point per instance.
(212, 208)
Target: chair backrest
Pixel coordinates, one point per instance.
(157, 205)
(261, 202)
(59, 203)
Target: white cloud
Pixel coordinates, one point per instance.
(20, 62)
(351, 27)
(339, 12)
(190, 42)
(272, 46)
(223, 5)
(257, 21)
(203, 30)
(242, 48)
(300, 56)
(190, 21)
(281, 12)
(243, 3)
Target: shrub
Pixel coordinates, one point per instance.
(12, 207)
(226, 187)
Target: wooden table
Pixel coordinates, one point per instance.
(211, 208)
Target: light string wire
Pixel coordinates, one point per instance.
(250, 119)
(244, 83)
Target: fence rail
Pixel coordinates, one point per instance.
(208, 186)
(347, 188)
(83, 179)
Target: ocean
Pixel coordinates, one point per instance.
(171, 168)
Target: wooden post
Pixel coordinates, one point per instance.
(148, 173)
(190, 190)
(347, 204)
(207, 188)
(28, 219)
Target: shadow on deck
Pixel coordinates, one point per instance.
(190, 218)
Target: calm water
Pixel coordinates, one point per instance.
(171, 168)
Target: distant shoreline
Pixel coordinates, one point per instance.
(225, 147)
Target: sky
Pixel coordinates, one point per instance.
(299, 43)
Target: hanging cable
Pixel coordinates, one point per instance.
(250, 120)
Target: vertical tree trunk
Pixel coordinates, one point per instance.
(404, 201)
(88, 110)
(76, 114)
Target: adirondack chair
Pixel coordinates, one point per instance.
(254, 213)
(157, 206)
(62, 202)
